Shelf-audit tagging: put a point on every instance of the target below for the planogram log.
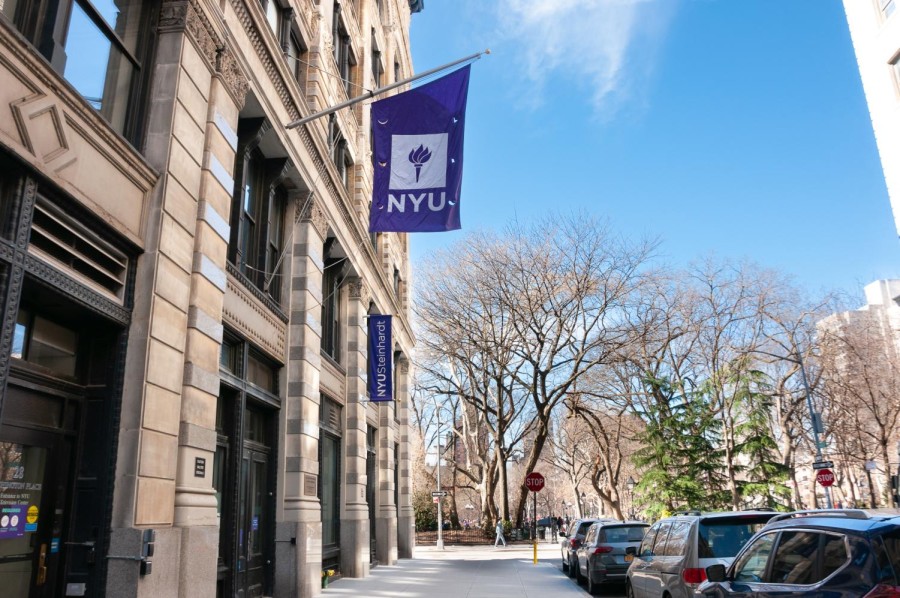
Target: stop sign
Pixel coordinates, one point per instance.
(825, 477)
(534, 481)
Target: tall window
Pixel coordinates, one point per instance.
(377, 67)
(257, 226)
(343, 53)
(332, 278)
(330, 478)
(298, 59)
(100, 48)
(340, 153)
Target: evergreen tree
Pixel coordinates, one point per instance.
(680, 459)
(765, 475)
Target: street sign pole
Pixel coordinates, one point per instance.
(440, 504)
(816, 421)
(534, 482)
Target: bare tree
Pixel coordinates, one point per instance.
(523, 317)
(861, 369)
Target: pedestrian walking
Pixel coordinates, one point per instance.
(500, 537)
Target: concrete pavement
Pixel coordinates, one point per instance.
(468, 572)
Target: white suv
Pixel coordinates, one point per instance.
(676, 551)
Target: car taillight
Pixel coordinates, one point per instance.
(694, 575)
(573, 543)
(883, 591)
(603, 549)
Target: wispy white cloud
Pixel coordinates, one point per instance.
(604, 47)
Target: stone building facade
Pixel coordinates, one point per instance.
(875, 31)
(185, 284)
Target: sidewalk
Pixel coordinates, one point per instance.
(467, 572)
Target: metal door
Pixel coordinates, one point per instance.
(34, 479)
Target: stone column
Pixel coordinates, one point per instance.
(355, 510)
(169, 398)
(195, 501)
(298, 545)
(386, 522)
(406, 522)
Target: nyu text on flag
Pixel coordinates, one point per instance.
(418, 141)
(381, 354)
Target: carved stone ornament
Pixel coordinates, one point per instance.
(358, 289)
(188, 16)
(233, 77)
(310, 211)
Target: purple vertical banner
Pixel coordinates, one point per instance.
(418, 153)
(381, 359)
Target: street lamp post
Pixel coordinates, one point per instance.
(630, 484)
(440, 498)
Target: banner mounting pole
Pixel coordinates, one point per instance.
(381, 90)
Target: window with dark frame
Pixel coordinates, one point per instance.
(298, 59)
(343, 53)
(101, 49)
(340, 153)
(257, 223)
(332, 278)
(329, 489)
(377, 67)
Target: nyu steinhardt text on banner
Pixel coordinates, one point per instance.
(418, 153)
(380, 374)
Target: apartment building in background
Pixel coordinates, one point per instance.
(875, 31)
(185, 284)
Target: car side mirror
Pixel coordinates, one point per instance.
(715, 573)
(631, 550)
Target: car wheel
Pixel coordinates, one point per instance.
(573, 568)
(591, 586)
(629, 592)
(565, 564)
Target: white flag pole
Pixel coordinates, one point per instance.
(381, 90)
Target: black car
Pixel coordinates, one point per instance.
(607, 551)
(840, 553)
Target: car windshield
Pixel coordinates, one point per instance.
(724, 538)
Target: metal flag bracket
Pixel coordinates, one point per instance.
(381, 90)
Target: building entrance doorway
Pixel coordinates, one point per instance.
(244, 473)
(253, 523)
(33, 508)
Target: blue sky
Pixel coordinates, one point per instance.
(734, 128)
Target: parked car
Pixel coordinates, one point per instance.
(607, 551)
(575, 534)
(836, 553)
(675, 552)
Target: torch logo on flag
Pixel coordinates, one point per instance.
(418, 142)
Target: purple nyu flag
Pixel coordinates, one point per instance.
(381, 358)
(418, 139)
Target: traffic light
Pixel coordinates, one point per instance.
(147, 545)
